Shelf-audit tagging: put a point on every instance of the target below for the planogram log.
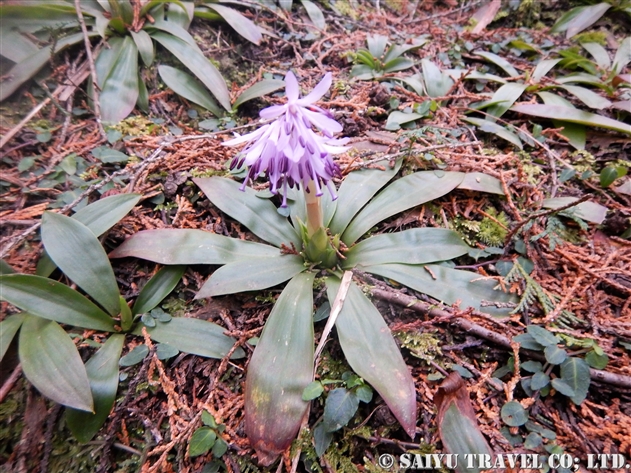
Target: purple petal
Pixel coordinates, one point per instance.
(291, 87)
(322, 122)
(273, 111)
(247, 137)
(318, 91)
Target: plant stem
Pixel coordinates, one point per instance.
(314, 210)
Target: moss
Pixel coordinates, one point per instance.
(492, 233)
(591, 37)
(425, 346)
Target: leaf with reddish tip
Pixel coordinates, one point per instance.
(373, 354)
(279, 371)
(457, 422)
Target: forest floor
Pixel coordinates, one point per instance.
(580, 273)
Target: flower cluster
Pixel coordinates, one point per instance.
(288, 150)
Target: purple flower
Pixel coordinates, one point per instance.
(288, 150)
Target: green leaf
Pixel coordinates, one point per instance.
(450, 285)
(52, 300)
(339, 408)
(157, 288)
(532, 366)
(415, 246)
(397, 118)
(251, 275)
(77, 252)
(543, 67)
(588, 97)
(574, 132)
(220, 448)
(373, 354)
(580, 18)
(194, 336)
(575, 372)
(542, 336)
(590, 211)
(209, 420)
(147, 7)
(377, 44)
(506, 95)
(280, 369)
(364, 393)
(407, 192)
(135, 356)
(555, 355)
(321, 439)
(102, 371)
(259, 215)
(539, 380)
(109, 155)
(164, 351)
(397, 50)
(144, 46)
(261, 88)
(187, 86)
(571, 115)
(513, 414)
(119, 92)
(599, 53)
(397, 64)
(8, 328)
(51, 362)
(201, 441)
(623, 55)
(597, 361)
(356, 191)
(198, 64)
(185, 246)
(492, 127)
(563, 387)
(608, 175)
(478, 181)
(312, 391)
(26, 69)
(315, 14)
(437, 83)
(528, 342)
(499, 62)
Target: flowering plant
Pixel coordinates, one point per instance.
(293, 155)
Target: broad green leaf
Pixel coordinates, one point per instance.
(201, 441)
(315, 14)
(572, 115)
(377, 44)
(242, 25)
(608, 175)
(5, 268)
(135, 356)
(154, 3)
(407, 192)
(157, 288)
(184, 246)
(397, 50)
(280, 369)
(356, 191)
(588, 97)
(590, 211)
(437, 83)
(397, 64)
(581, 77)
(415, 82)
(492, 127)
(457, 74)
(373, 354)
(574, 132)
(555, 355)
(513, 414)
(143, 95)
(259, 215)
(261, 88)
(176, 28)
(528, 342)
(312, 391)
(21, 47)
(187, 86)
(119, 92)
(597, 361)
(194, 336)
(251, 275)
(27, 68)
(339, 408)
(543, 67)
(103, 214)
(106, 154)
(52, 300)
(542, 336)
(8, 328)
(499, 62)
(198, 65)
(364, 72)
(397, 118)
(77, 252)
(51, 363)
(539, 380)
(144, 46)
(286, 4)
(580, 18)
(102, 371)
(575, 372)
(563, 387)
(481, 182)
(531, 366)
(321, 439)
(599, 53)
(506, 95)
(107, 58)
(415, 246)
(449, 285)
(623, 55)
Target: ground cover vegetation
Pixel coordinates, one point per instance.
(425, 232)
